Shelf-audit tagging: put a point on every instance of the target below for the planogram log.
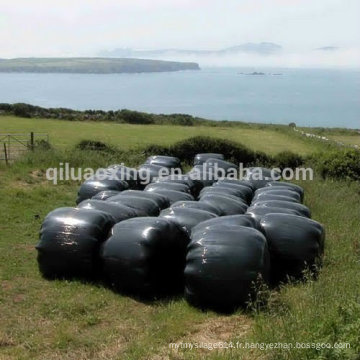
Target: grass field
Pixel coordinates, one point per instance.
(67, 133)
(42, 319)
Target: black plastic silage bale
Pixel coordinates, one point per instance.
(295, 243)
(91, 187)
(245, 192)
(148, 173)
(174, 195)
(260, 177)
(199, 159)
(201, 176)
(276, 191)
(187, 218)
(118, 211)
(270, 196)
(143, 206)
(145, 256)
(170, 162)
(168, 186)
(198, 205)
(121, 172)
(195, 186)
(288, 185)
(226, 191)
(69, 242)
(229, 205)
(162, 201)
(237, 182)
(104, 195)
(223, 265)
(260, 211)
(223, 221)
(217, 165)
(302, 209)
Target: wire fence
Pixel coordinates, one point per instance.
(13, 145)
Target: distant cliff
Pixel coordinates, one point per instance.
(264, 48)
(92, 65)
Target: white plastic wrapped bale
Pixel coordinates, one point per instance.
(295, 243)
(145, 257)
(69, 243)
(223, 265)
(187, 218)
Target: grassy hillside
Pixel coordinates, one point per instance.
(67, 133)
(42, 319)
(92, 65)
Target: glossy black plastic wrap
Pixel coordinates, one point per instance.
(69, 242)
(295, 243)
(167, 161)
(130, 175)
(276, 191)
(173, 195)
(223, 222)
(187, 218)
(302, 209)
(245, 192)
(195, 186)
(223, 265)
(118, 211)
(228, 167)
(91, 187)
(142, 205)
(168, 186)
(148, 173)
(200, 175)
(270, 196)
(199, 159)
(226, 191)
(291, 186)
(260, 177)
(145, 256)
(198, 205)
(104, 195)
(237, 182)
(162, 201)
(258, 212)
(227, 204)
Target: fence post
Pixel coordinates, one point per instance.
(32, 141)
(6, 155)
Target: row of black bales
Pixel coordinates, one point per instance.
(212, 239)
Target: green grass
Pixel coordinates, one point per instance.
(42, 319)
(67, 133)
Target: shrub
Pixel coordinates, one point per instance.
(287, 159)
(95, 146)
(341, 164)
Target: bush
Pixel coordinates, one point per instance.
(287, 159)
(340, 164)
(95, 146)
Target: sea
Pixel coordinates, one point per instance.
(307, 97)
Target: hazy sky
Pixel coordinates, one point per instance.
(85, 27)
